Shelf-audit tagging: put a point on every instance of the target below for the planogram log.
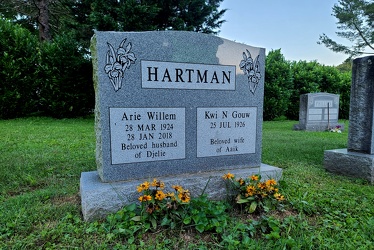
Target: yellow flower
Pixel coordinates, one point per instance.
(143, 186)
(145, 198)
(271, 182)
(250, 190)
(170, 195)
(177, 188)
(158, 184)
(184, 196)
(254, 177)
(228, 176)
(241, 182)
(160, 195)
(279, 197)
(261, 185)
(270, 188)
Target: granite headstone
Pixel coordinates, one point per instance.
(175, 105)
(357, 159)
(318, 112)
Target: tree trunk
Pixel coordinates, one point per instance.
(43, 19)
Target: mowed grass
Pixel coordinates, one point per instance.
(41, 160)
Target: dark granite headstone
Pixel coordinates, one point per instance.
(357, 159)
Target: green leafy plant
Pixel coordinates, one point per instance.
(158, 207)
(257, 196)
(177, 209)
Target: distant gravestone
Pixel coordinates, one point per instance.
(184, 107)
(318, 112)
(357, 159)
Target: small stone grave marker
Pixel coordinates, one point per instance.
(318, 112)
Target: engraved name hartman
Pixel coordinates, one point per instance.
(169, 75)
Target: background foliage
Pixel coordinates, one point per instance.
(54, 78)
(18, 69)
(355, 22)
(285, 81)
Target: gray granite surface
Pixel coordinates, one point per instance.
(361, 108)
(208, 90)
(354, 164)
(183, 107)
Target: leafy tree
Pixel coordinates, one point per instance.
(135, 15)
(356, 23)
(345, 66)
(278, 85)
(192, 15)
(80, 17)
(125, 15)
(46, 16)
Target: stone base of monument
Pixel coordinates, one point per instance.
(100, 199)
(344, 162)
(318, 127)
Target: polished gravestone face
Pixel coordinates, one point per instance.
(170, 103)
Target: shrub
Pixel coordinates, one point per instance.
(305, 80)
(312, 77)
(18, 64)
(336, 82)
(65, 75)
(278, 85)
(345, 94)
(52, 78)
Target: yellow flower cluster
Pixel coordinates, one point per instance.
(155, 197)
(144, 198)
(252, 188)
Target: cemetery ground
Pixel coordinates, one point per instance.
(41, 161)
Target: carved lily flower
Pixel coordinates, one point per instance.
(247, 63)
(115, 74)
(117, 63)
(125, 57)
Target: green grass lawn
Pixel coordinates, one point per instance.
(41, 160)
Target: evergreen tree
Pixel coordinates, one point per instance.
(356, 24)
(192, 15)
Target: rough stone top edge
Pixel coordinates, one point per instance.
(363, 57)
(173, 32)
(320, 93)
